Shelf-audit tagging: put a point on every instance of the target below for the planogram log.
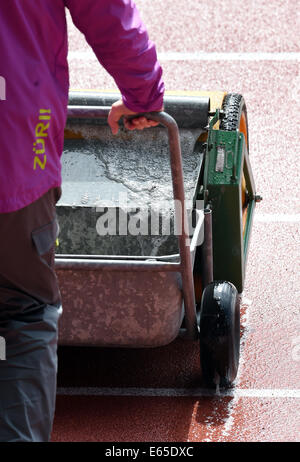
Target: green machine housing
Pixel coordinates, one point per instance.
(229, 190)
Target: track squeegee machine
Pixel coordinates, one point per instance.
(155, 227)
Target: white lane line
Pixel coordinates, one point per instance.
(179, 392)
(204, 56)
(277, 218)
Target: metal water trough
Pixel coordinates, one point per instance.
(128, 283)
(125, 290)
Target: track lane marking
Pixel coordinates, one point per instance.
(277, 218)
(179, 392)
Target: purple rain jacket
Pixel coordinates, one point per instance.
(34, 82)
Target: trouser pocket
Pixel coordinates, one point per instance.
(44, 239)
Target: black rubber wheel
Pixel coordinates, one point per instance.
(219, 334)
(235, 115)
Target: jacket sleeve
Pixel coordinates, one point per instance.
(116, 33)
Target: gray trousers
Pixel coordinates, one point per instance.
(30, 307)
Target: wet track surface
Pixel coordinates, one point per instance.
(156, 394)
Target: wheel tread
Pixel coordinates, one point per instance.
(233, 105)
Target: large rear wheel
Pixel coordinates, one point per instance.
(235, 115)
(235, 118)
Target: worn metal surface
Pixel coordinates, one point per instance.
(120, 309)
(135, 327)
(129, 175)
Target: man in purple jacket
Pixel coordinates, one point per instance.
(33, 104)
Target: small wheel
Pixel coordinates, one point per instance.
(219, 334)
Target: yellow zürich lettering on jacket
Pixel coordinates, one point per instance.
(41, 133)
